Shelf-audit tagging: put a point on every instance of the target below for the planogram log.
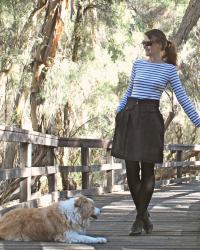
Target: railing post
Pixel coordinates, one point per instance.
(25, 162)
(179, 157)
(85, 162)
(109, 173)
(52, 178)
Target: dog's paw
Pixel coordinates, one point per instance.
(101, 240)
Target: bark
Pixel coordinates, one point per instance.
(4, 73)
(77, 33)
(9, 155)
(189, 20)
(169, 119)
(62, 120)
(45, 53)
(28, 26)
(82, 11)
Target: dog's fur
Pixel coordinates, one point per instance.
(64, 221)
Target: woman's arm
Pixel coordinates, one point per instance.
(183, 98)
(128, 92)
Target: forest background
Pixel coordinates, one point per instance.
(66, 64)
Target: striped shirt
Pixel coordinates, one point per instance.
(149, 80)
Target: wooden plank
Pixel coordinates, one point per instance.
(91, 168)
(179, 156)
(25, 136)
(177, 164)
(182, 147)
(84, 162)
(6, 174)
(9, 245)
(166, 182)
(25, 162)
(52, 178)
(98, 143)
(109, 173)
(26, 172)
(85, 143)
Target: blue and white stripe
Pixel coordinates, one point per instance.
(149, 80)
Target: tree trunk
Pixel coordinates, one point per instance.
(28, 26)
(189, 20)
(45, 53)
(77, 33)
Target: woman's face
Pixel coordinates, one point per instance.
(151, 46)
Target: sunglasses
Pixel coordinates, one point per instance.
(147, 43)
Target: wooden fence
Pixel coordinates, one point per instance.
(27, 138)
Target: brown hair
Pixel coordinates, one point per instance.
(170, 54)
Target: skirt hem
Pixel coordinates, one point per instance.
(136, 159)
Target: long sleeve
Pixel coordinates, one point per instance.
(128, 92)
(182, 97)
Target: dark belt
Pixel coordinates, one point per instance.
(133, 100)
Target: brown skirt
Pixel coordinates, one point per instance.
(139, 132)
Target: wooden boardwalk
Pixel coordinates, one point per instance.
(175, 212)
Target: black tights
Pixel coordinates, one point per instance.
(141, 188)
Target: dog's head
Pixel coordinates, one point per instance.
(86, 207)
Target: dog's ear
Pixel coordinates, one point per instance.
(80, 200)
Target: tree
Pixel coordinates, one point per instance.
(45, 52)
(190, 19)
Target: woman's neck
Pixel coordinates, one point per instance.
(155, 59)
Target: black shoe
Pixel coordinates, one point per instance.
(137, 227)
(147, 224)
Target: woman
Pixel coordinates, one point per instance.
(139, 129)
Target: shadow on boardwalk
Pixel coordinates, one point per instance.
(175, 212)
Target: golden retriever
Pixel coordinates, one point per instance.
(64, 221)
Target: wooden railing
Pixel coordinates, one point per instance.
(179, 163)
(27, 138)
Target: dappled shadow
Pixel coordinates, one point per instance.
(175, 212)
(174, 192)
(10, 245)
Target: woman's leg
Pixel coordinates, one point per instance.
(141, 188)
(141, 191)
(147, 187)
(133, 179)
